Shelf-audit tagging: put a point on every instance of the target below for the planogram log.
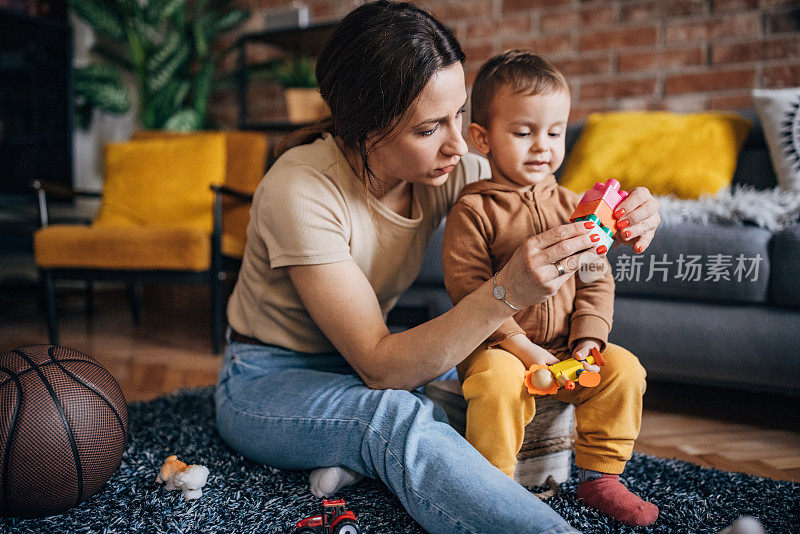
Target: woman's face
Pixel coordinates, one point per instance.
(427, 143)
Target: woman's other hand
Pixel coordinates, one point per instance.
(638, 219)
(532, 275)
(527, 351)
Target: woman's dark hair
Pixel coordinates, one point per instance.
(376, 63)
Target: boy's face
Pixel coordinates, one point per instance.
(524, 140)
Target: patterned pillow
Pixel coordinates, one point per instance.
(779, 111)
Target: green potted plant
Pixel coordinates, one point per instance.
(303, 101)
(98, 86)
(168, 47)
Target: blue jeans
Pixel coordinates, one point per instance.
(293, 410)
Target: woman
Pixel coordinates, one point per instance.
(312, 377)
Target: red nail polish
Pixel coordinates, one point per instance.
(627, 234)
(638, 249)
(601, 249)
(595, 238)
(588, 225)
(623, 224)
(619, 213)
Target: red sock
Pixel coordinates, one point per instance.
(608, 495)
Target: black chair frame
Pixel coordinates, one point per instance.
(220, 266)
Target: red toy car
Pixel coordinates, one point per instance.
(335, 519)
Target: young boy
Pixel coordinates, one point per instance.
(520, 105)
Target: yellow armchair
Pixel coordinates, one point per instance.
(156, 220)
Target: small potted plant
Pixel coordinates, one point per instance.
(303, 101)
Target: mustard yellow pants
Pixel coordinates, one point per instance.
(499, 408)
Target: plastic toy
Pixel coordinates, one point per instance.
(335, 519)
(187, 478)
(598, 205)
(546, 379)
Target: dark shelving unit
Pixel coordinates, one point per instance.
(35, 124)
(35, 101)
(309, 41)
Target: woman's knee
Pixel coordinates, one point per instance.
(400, 422)
(397, 407)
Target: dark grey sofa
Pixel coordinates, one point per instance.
(741, 333)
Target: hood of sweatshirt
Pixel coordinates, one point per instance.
(542, 189)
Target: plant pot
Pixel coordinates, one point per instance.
(304, 104)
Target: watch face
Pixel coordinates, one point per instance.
(499, 292)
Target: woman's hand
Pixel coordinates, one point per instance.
(638, 219)
(527, 351)
(532, 275)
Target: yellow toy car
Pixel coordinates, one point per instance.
(546, 379)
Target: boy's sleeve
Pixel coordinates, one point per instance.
(467, 261)
(594, 308)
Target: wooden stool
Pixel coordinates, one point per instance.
(547, 446)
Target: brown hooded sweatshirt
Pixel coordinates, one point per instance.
(486, 225)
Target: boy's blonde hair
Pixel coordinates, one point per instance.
(522, 71)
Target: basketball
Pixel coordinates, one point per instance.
(63, 429)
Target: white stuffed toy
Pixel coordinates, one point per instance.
(188, 478)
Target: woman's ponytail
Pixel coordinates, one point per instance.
(304, 135)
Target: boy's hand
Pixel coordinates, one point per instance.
(582, 350)
(527, 351)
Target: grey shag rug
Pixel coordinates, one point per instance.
(244, 497)
(772, 209)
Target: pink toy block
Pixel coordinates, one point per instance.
(601, 209)
(609, 192)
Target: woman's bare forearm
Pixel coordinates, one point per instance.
(410, 359)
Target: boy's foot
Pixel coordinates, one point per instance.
(607, 494)
(328, 480)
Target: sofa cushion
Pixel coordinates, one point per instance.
(754, 167)
(163, 182)
(729, 345)
(779, 112)
(73, 246)
(785, 265)
(245, 164)
(683, 154)
(699, 262)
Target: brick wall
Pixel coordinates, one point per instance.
(680, 55)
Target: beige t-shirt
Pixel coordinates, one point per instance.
(310, 208)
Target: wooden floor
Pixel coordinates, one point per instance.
(752, 433)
